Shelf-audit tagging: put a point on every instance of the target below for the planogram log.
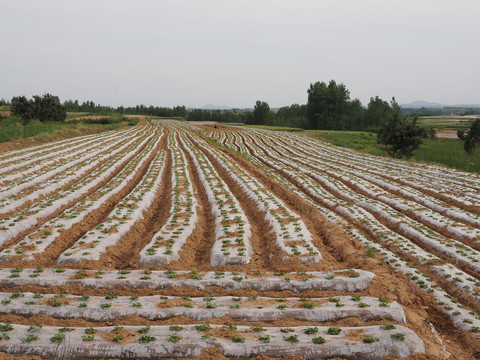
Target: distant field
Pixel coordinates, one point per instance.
(446, 122)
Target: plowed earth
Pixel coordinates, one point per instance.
(292, 177)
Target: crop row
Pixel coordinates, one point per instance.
(253, 308)
(11, 227)
(232, 229)
(55, 176)
(167, 242)
(37, 241)
(292, 235)
(19, 158)
(36, 161)
(351, 280)
(368, 342)
(343, 210)
(120, 220)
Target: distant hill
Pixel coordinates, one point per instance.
(432, 105)
(419, 104)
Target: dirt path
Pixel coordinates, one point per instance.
(195, 253)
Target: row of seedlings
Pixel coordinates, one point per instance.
(22, 157)
(253, 308)
(37, 161)
(36, 242)
(12, 226)
(179, 341)
(463, 317)
(232, 229)
(291, 233)
(54, 177)
(454, 185)
(351, 280)
(440, 213)
(386, 208)
(167, 242)
(120, 220)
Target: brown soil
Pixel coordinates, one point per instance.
(195, 253)
(267, 255)
(123, 336)
(337, 248)
(120, 255)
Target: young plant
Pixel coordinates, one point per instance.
(144, 330)
(334, 331)
(368, 339)
(318, 340)
(291, 338)
(311, 331)
(398, 336)
(264, 339)
(145, 339)
(203, 327)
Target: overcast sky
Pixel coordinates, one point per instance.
(197, 52)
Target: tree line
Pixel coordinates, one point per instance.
(328, 107)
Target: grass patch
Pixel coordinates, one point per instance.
(448, 153)
(233, 123)
(11, 129)
(133, 121)
(444, 122)
(358, 140)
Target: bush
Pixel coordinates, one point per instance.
(399, 135)
(44, 108)
(472, 137)
(133, 121)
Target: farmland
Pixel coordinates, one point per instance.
(180, 240)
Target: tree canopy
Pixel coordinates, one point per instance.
(44, 108)
(327, 105)
(376, 111)
(261, 113)
(399, 134)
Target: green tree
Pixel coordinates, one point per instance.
(472, 137)
(354, 116)
(377, 110)
(294, 115)
(49, 108)
(261, 113)
(23, 107)
(399, 134)
(2, 121)
(179, 111)
(43, 108)
(247, 117)
(327, 105)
